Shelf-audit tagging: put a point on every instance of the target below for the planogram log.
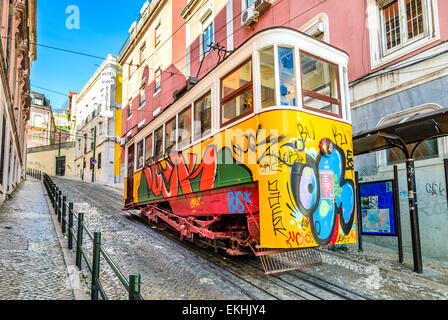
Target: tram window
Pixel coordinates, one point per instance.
(203, 117)
(140, 155)
(320, 84)
(149, 150)
(237, 94)
(158, 148)
(267, 72)
(170, 136)
(184, 129)
(287, 76)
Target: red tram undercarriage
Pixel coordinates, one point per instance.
(225, 219)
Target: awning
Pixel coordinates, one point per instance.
(414, 129)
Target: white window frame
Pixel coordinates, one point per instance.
(157, 35)
(130, 109)
(205, 21)
(378, 55)
(319, 24)
(142, 94)
(38, 115)
(157, 69)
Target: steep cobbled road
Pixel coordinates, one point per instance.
(172, 270)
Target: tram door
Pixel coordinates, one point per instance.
(130, 180)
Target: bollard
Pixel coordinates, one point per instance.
(60, 206)
(96, 265)
(134, 287)
(56, 193)
(64, 213)
(79, 240)
(70, 226)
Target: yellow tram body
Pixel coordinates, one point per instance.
(287, 171)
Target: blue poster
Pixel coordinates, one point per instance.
(377, 208)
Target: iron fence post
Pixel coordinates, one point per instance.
(60, 206)
(134, 287)
(96, 265)
(64, 213)
(70, 225)
(56, 193)
(79, 240)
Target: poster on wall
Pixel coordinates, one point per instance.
(378, 208)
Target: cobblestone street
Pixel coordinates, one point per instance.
(171, 271)
(32, 266)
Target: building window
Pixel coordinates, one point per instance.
(184, 128)
(130, 109)
(158, 143)
(149, 150)
(249, 3)
(203, 117)
(170, 136)
(398, 27)
(427, 150)
(237, 94)
(37, 120)
(401, 18)
(142, 53)
(142, 97)
(140, 158)
(130, 69)
(157, 35)
(99, 160)
(158, 78)
(37, 137)
(320, 85)
(318, 27)
(207, 32)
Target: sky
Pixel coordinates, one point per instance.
(103, 29)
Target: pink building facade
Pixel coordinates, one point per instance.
(17, 51)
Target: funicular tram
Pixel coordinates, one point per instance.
(257, 156)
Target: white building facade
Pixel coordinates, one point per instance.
(95, 126)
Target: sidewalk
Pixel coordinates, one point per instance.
(377, 273)
(32, 265)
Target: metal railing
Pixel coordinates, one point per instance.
(36, 174)
(64, 209)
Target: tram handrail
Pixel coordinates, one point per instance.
(61, 207)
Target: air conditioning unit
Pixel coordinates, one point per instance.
(122, 142)
(262, 5)
(249, 16)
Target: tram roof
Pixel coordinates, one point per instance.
(412, 129)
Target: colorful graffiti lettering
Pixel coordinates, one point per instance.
(238, 201)
(323, 194)
(299, 238)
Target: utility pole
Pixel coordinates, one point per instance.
(58, 162)
(94, 150)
